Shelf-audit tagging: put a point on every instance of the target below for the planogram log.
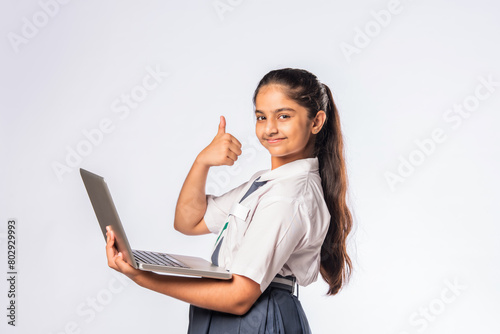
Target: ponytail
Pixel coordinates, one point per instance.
(304, 88)
(336, 265)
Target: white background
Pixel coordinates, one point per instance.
(437, 226)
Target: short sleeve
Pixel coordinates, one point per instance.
(275, 231)
(218, 208)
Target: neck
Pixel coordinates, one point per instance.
(280, 161)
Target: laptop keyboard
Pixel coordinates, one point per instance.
(157, 259)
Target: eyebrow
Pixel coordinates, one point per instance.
(277, 110)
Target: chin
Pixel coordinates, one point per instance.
(277, 153)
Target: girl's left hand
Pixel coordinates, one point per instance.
(115, 258)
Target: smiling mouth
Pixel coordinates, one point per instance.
(271, 141)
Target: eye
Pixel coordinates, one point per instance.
(284, 115)
(259, 117)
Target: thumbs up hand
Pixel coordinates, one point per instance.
(223, 150)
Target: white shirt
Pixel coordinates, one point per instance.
(278, 229)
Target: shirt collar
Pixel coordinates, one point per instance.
(295, 167)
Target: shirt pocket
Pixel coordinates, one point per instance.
(239, 211)
(238, 223)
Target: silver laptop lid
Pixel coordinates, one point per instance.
(106, 213)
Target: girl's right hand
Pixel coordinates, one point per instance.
(223, 150)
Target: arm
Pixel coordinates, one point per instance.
(192, 203)
(234, 296)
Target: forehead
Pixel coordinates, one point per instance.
(271, 97)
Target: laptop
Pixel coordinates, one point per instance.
(106, 214)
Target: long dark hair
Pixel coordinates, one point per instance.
(304, 88)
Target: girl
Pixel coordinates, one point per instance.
(284, 225)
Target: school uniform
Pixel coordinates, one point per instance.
(270, 229)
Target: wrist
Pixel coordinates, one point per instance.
(141, 278)
(200, 162)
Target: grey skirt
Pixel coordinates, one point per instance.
(276, 311)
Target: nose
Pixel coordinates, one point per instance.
(271, 127)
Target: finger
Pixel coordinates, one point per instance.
(122, 265)
(222, 126)
(228, 162)
(108, 235)
(236, 141)
(111, 260)
(235, 148)
(231, 155)
(110, 247)
(110, 239)
(119, 260)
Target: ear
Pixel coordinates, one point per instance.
(318, 121)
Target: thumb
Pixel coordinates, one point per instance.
(222, 126)
(120, 262)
